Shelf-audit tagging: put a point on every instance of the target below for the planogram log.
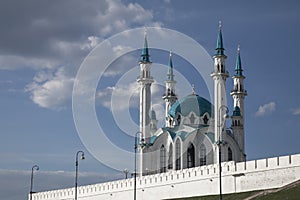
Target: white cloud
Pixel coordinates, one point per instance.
(13, 62)
(66, 47)
(51, 90)
(120, 94)
(266, 109)
(296, 111)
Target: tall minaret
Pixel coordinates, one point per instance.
(238, 94)
(145, 81)
(169, 96)
(219, 75)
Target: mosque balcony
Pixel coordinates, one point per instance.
(244, 92)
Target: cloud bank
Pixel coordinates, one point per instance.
(266, 109)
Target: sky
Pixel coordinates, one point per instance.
(44, 45)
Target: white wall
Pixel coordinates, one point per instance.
(236, 177)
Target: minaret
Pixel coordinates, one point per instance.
(145, 81)
(219, 76)
(238, 94)
(169, 96)
(153, 122)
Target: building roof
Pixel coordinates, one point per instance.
(191, 103)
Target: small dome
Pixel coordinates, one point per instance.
(191, 103)
(153, 115)
(237, 111)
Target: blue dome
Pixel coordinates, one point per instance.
(237, 111)
(191, 103)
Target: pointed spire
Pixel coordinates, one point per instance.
(170, 75)
(145, 57)
(220, 48)
(238, 65)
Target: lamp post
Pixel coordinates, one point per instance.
(126, 171)
(76, 165)
(135, 151)
(220, 142)
(31, 180)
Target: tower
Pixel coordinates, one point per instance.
(219, 76)
(145, 80)
(238, 94)
(169, 96)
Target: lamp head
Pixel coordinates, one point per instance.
(36, 167)
(82, 157)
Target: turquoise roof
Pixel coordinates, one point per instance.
(220, 48)
(153, 138)
(237, 111)
(238, 65)
(170, 75)
(191, 103)
(145, 57)
(211, 136)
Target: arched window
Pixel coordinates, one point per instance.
(192, 118)
(205, 119)
(202, 155)
(191, 156)
(170, 160)
(162, 159)
(178, 154)
(230, 154)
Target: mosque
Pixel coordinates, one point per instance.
(181, 158)
(195, 132)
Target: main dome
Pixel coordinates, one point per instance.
(191, 103)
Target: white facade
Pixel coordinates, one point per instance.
(199, 181)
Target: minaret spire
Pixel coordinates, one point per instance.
(145, 57)
(238, 65)
(170, 75)
(220, 48)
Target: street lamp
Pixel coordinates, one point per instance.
(126, 171)
(76, 165)
(31, 180)
(220, 142)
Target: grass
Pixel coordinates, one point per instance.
(289, 192)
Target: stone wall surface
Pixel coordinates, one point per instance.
(199, 181)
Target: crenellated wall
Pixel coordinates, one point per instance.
(236, 177)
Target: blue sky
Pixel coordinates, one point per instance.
(43, 44)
